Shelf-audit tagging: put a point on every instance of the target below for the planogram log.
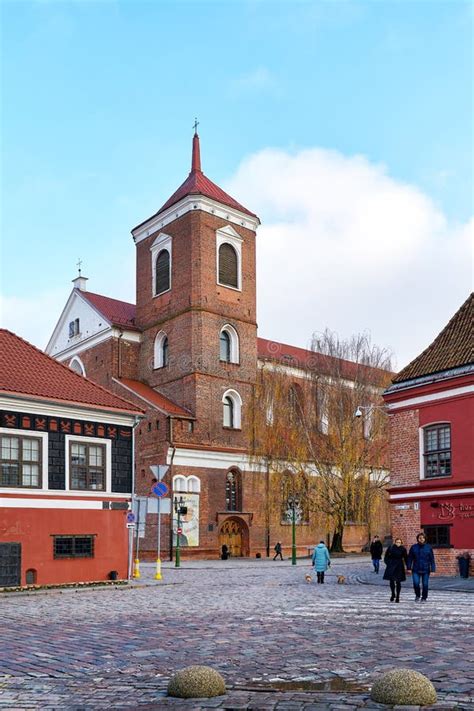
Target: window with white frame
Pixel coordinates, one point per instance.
(87, 466)
(186, 484)
(74, 328)
(161, 262)
(229, 344)
(232, 409)
(21, 461)
(160, 355)
(77, 365)
(229, 257)
(437, 450)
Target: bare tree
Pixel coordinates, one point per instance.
(304, 427)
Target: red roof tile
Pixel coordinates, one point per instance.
(198, 184)
(27, 371)
(153, 397)
(452, 348)
(302, 358)
(119, 313)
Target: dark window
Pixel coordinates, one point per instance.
(87, 466)
(437, 451)
(165, 351)
(73, 328)
(20, 461)
(228, 412)
(233, 491)
(73, 546)
(162, 274)
(437, 536)
(225, 346)
(228, 266)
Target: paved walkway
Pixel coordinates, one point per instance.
(258, 622)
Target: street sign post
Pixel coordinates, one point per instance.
(160, 489)
(159, 471)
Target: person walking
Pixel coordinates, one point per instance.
(376, 550)
(421, 562)
(395, 559)
(277, 550)
(321, 560)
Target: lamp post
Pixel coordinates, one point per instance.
(180, 510)
(294, 505)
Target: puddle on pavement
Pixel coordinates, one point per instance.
(333, 684)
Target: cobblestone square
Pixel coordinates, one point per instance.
(257, 622)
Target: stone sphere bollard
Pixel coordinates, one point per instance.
(196, 682)
(403, 687)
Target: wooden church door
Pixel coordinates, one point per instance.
(231, 536)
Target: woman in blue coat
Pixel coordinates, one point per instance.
(321, 560)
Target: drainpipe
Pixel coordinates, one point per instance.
(130, 552)
(119, 357)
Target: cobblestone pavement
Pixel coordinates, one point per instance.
(257, 622)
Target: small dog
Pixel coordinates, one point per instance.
(341, 579)
(308, 578)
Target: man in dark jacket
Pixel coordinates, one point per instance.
(277, 550)
(376, 550)
(421, 562)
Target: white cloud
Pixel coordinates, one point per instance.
(256, 81)
(344, 245)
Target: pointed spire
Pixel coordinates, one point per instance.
(196, 159)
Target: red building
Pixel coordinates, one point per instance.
(432, 443)
(188, 352)
(66, 471)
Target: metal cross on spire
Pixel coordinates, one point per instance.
(79, 264)
(195, 125)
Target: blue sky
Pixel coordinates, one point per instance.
(98, 103)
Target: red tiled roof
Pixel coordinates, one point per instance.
(452, 348)
(27, 371)
(119, 313)
(153, 397)
(198, 184)
(302, 358)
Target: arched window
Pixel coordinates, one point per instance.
(229, 344)
(228, 266)
(233, 491)
(160, 355)
(232, 409)
(162, 272)
(194, 485)
(225, 346)
(77, 365)
(179, 483)
(228, 412)
(295, 404)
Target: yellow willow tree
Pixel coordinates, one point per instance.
(304, 427)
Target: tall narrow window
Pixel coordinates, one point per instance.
(162, 272)
(228, 412)
(87, 466)
(437, 450)
(160, 351)
(233, 491)
(225, 346)
(228, 266)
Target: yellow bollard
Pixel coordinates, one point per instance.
(136, 568)
(158, 569)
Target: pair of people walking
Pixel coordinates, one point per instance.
(420, 561)
(321, 560)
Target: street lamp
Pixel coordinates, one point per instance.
(361, 408)
(294, 506)
(180, 510)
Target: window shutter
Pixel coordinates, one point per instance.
(228, 272)
(162, 272)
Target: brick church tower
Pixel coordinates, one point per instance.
(196, 305)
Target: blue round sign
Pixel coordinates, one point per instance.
(159, 489)
(130, 517)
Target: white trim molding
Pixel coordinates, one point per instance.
(432, 492)
(59, 409)
(432, 397)
(76, 361)
(32, 503)
(188, 204)
(210, 459)
(71, 439)
(158, 352)
(234, 342)
(236, 400)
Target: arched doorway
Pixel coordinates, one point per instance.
(234, 534)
